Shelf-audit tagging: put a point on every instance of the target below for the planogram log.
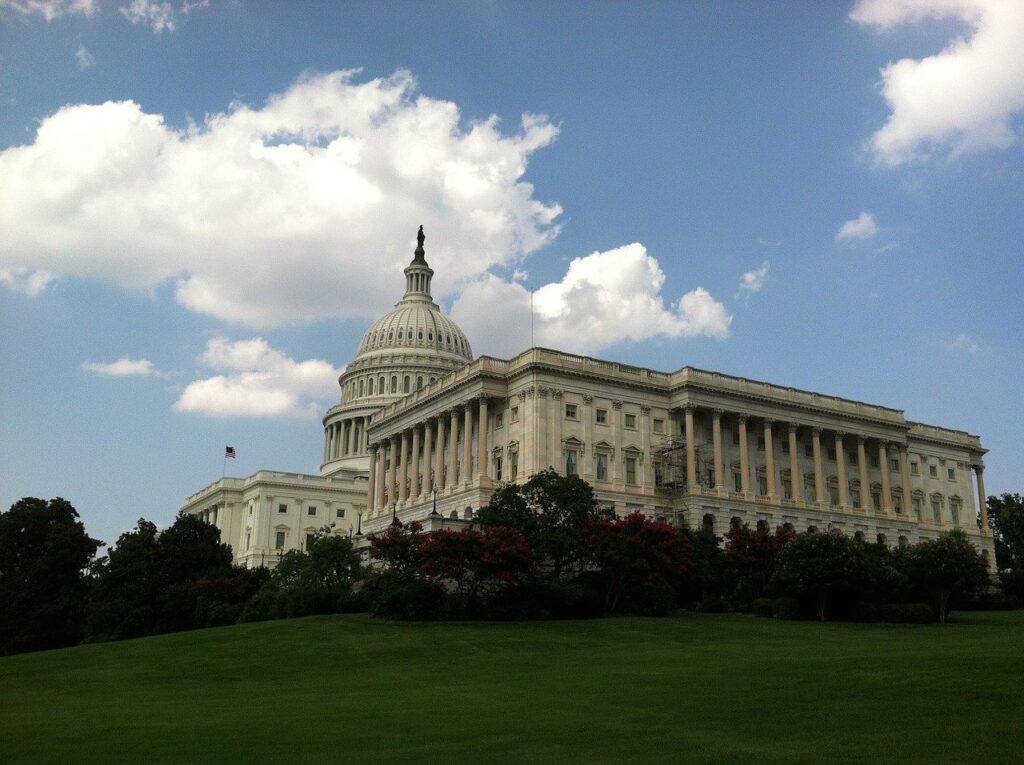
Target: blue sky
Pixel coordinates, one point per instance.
(205, 204)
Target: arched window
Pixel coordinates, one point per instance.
(708, 522)
(812, 529)
(881, 539)
(903, 542)
(467, 513)
(399, 333)
(419, 335)
(419, 382)
(858, 536)
(449, 339)
(405, 384)
(454, 514)
(369, 387)
(380, 385)
(360, 386)
(430, 337)
(735, 522)
(394, 383)
(762, 525)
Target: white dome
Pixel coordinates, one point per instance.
(416, 326)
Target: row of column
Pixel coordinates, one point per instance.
(396, 472)
(345, 438)
(796, 476)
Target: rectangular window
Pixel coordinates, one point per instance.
(915, 469)
(340, 512)
(310, 538)
(602, 467)
(785, 447)
(916, 505)
(760, 443)
(631, 470)
(311, 510)
(894, 465)
(951, 474)
(711, 479)
(787, 487)
(897, 503)
(279, 541)
(497, 468)
(601, 416)
(808, 450)
(515, 414)
(570, 463)
(737, 482)
(933, 471)
(513, 465)
(762, 485)
(853, 458)
(631, 421)
(833, 495)
(570, 411)
(499, 420)
(657, 474)
(832, 453)
(936, 512)
(735, 438)
(954, 511)
(876, 500)
(282, 508)
(855, 497)
(659, 426)
(873, 460)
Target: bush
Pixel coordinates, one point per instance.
(907, 613)
(1013, 583)
(538, 600)
(787, 608)
(399, 595)
(862, 611)
(761, 607)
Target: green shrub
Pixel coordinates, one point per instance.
(907, 613)
(539, 600)
(761, 607)
(862, 611)
(400, 595)
(787, 607)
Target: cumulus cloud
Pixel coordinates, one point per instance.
(301, 209)
(257, 380)
(122, 368)
(84, 58)
(158, 16)
(861, 227)
(25, 281)
(50, 9)
(753, 281)
(960, 100)
(604, 298)
(963, 343)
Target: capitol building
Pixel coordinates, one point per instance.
(424, 431)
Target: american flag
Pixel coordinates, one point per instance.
(229, 451)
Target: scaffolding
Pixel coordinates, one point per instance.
(670, 465)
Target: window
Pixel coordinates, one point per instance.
(876, 500)
(497, 468)
(735, 438)
(914, 469)
(570, 411)
(419, 382)
(631, 421)
(513, 465)
(933, 471)
(279, 541)
(954, 511)
(602, 467)
(808, 450)
(760, 443)
(394, 383)
(951, 474)
(310, 539)
(936, 511)
(787, 485)
(369, 387)
(311, 510)
(897, 503)
(737, 482)
(853, 458)
(405, 384)
(499, 420)
(785, 447)
(601, 416)
(894, 465)
(658, 477)
(570, 463)
(833, 495)
(339, 513)
(515, 414)
(282, 508)
(873, 460)
(916, 505)
(762, 484)
(855, 495)
(631, 470)
(710, 479)
(659, 426)
(832, 453)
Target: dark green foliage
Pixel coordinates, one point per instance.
(544, 599)
(1006, 517)
(787, 607)
(753, 555)
(823, 569)
(711, 576)
(1013, 583)
(906, 613)
(401, 595)
(862, 611)
(947, 566)
(44, 555)
(761, 607)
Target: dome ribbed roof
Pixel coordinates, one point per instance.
(416, 326)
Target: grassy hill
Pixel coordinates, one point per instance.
(687, 688)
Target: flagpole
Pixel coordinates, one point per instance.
(224, 467)
(531, 318)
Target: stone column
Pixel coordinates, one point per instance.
(467, 445)
(796, 481)
(769, 458)
(744, 456)
(862, 466)
(379, 448)
(883, 464)
(691, 452)
(336, 441)
(414, 490)
(429, 482)
(979, 471)
(439, 476)
(716, 438)
(351, 437)
(366, 433)
(819, 472)
(844, 486)
(904, 474)
(403, 467)
(393, 473)
(587, 468)
(327, 442)
(618, 466)
(453, 449)
(481, 441)
(371, 485)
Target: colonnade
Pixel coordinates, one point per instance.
(397, 472)
(346, 438)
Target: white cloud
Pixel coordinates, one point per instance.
(604, 298)
(84, 58)
(753, 281)
(861, 227)
(122, 368)
(158, 16)
(960, 100)
(256, 380)
(302, 209)
(25, 281)
(50, 9)
(963, 343)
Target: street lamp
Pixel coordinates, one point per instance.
(434, 511)
(394, 515)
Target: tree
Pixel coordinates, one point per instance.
(634, 554)
(398, 547)
(553, 512)
(44, 557)
(472, 558)
(822, 568)
(1006, 517)
(947, 566)
(753, 554)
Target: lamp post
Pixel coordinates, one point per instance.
(359, 521)
(434, 511)
(394, 515)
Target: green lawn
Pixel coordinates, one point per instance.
(692, 687)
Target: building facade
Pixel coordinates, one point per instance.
(421, 426)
